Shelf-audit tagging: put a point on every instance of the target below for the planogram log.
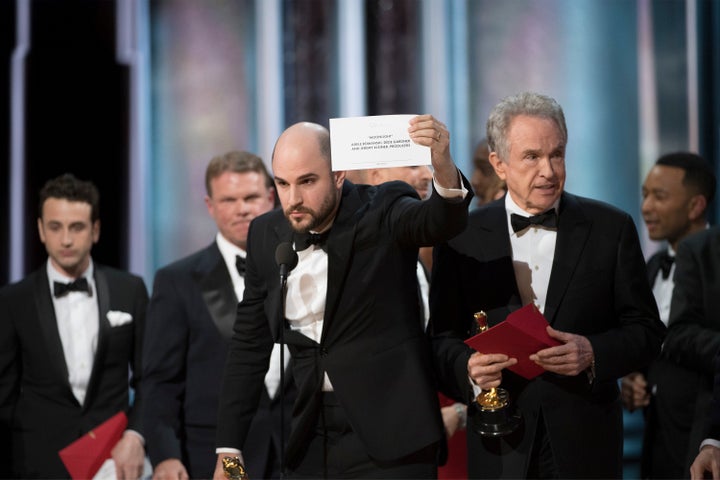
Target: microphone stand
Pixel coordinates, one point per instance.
(283, 292)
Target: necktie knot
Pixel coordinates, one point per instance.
(666, 263)
(305, 240)
(547, 219)
(78, 285)
(240, 265)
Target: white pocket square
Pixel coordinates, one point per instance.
(117, 318)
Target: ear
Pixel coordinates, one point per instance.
(96, 231)
(697, 206)
(339, 178)
(209, 205)
(497, 164)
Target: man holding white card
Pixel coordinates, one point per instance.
(366, 403)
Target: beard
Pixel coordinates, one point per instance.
(317, 217)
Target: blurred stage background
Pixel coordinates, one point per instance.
(138, 95)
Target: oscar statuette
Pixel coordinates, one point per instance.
(491, 412)
(234, 469)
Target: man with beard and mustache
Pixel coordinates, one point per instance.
(366, 404)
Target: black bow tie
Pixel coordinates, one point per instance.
(666, 263)
(305, 240)
(240, 265)
(547, 219)
(78, 285)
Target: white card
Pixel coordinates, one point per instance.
(374, 142)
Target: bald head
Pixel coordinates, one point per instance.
(303, 138)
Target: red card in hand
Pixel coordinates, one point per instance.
(519, 336)
(84, 457)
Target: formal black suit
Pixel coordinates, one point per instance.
(36, 400)
(598, 288)
(682, 377)
(189, 325)
(373, 347)
(667, 428)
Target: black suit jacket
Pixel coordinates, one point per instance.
(36, 401)
(666, 449)
(189, 325)
(598, 288)
(684, 373)
(373, 346)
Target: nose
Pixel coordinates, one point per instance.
(294, 197)
(547, 169)
(646, 205)
(66, 237)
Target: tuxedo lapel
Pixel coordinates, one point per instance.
(217, 290)
(103, 301)
(48, 325)
(653, 267)
(491, 236)
(573, 232)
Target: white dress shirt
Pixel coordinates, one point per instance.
(533, 251)
(78, 324)
(663, 289)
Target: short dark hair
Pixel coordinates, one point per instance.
(237, 161)
(699, 174)
(70, 188)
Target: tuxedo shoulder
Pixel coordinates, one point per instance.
(595, 207)
(17, 288)
(115, 274)
(271, 218)
(602, 214)
(190, 262)
(709, 237)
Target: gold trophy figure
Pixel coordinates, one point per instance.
(492, 416)
(234, 469)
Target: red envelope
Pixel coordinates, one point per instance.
(519, 336)
(84, 457)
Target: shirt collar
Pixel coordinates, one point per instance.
(228, 250)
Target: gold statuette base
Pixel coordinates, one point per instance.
(234, 469)
(491, 415)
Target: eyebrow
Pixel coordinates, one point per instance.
(300, 178)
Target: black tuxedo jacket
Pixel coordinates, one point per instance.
(373, 346)
(684, 373)
(598, 288)
(669, 417)
(37, 404)
(189, 325)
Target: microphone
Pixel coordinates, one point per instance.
(286, 258)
